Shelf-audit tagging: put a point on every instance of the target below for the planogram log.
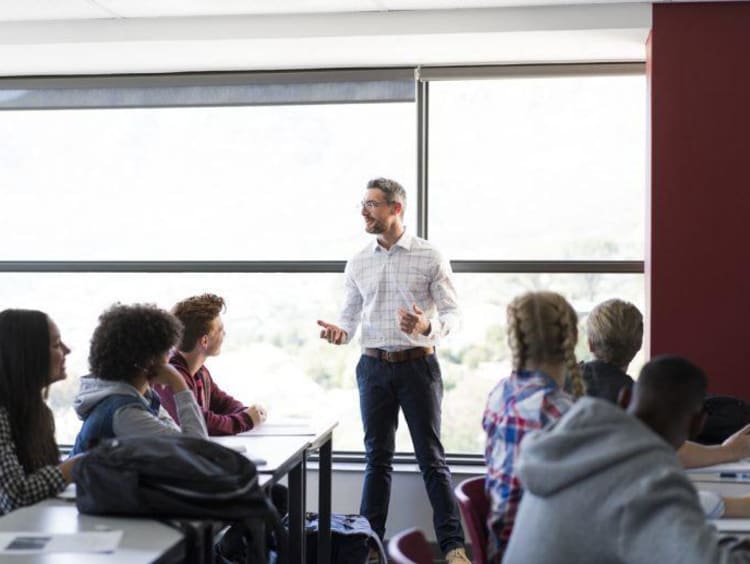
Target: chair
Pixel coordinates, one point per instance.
(410, 547)
(474, 505)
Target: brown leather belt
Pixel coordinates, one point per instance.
(400, 356)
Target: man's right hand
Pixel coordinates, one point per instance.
(257, 414)
(332, 333)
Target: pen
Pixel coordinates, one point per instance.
(735, 475)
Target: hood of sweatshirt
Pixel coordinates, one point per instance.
(591, 437)
(92, 390)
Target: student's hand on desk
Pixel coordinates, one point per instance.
(66, 466)
(414, 322)
(332, 333)
(257, 414)
(739, 443)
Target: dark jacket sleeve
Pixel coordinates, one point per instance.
(225, 415)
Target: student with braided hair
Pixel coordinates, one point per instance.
(542, 334)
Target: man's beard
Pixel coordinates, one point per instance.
(376, 227)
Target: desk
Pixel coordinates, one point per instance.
(143, 540)
(284, 448)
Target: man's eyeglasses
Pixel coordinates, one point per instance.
(372, 204)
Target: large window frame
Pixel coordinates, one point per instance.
(229, 88)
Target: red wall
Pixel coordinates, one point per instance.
(698, 266)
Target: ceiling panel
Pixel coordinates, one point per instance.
(33, 10)
(189, 8)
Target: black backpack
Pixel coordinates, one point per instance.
(173, 477)
(726, 415)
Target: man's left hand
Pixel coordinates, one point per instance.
(414, 322)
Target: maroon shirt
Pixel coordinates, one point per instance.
(224, 415)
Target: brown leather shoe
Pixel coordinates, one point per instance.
(457, 556)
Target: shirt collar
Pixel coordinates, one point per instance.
(405, 241)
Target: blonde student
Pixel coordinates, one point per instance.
(615, 335)
(542, 334)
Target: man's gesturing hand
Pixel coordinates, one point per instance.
(414, 323)
(332, 333)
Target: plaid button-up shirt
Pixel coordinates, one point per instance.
(524, 402)
(379, 282)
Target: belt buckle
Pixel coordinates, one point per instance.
(389, 356)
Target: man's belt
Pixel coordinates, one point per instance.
(400, 356)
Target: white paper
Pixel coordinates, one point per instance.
(69, 493)
(732, 525)
(34, 542)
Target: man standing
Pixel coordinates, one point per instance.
(400, 289)
(202, 337)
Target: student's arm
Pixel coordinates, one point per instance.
(694, 455)
(226, 415)
(17, 488)
(133, 419)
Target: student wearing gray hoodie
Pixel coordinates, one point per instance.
(604, 485)
(129, 352)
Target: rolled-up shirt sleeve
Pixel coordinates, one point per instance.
(351, 311)
(446, 302)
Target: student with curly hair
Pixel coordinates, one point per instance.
(202, 337)
(129, 351)
(32, 357)
(542, 335)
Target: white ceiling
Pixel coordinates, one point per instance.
(36, 10)
(63, 37)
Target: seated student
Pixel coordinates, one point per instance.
(129, 352)
(203, 335)
(32, 357)
(615, 335)
(605, 485)
(542, 334)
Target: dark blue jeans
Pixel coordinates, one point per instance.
(415, 386)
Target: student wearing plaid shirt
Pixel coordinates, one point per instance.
(399, 288)
(542, 334)
(32, 356)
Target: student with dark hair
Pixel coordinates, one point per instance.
(202, 337)
(604, 484)
(615, 335)
(129, 351)
(32, 357)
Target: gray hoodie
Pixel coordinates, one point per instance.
(132, 420)
(600, 486)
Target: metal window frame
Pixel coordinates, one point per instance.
(423, 76)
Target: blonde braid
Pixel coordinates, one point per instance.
(515, 339)
(543, 327)
(569, 327)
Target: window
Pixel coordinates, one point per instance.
(103, 177)
(536, 181)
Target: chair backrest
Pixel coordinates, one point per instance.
(474, 505)
(410, 547)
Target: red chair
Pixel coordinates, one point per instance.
(410, 547)
(474, 505)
